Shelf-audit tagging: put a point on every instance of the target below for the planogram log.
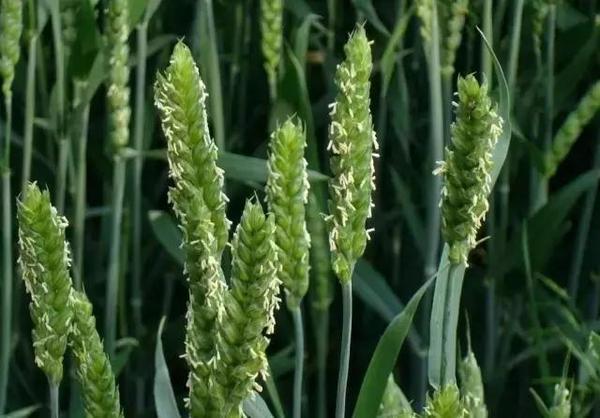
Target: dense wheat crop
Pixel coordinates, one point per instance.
(300, 208)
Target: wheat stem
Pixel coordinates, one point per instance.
(322, 342)
(7, 278)
(340, 405)
(29, 108)
(138, 164)
(299, 360)
(62, 140)
(54, 408)
(583, 230)
(80, 196)
(112, 288)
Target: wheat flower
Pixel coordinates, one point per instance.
(287, 193)
(351, 142)
(249, 307)
(45, 260)
(445, 403)
(180, 96)
(471, 386)
(467, 167)
(117, 32)
(271, 26)
(571, 129)
(94, 372)
(11, 28)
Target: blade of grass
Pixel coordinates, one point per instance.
(208, 56)
(273, 393)
(541, 356)
(164, 397)
(384, 358)
(255, 407)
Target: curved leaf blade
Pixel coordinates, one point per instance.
(384, 358)
(255, 407)
(164, 397)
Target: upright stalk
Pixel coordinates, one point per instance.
(436, 144)
(112, 288)
(490, 290)
(213, 75)
(331, 16)
(7, 281)
(299, 363)
(542, 181)
(582, 232)
(81, 197)
(54, 408)
(63, 143)
(29, 100)
(138, 162)
(322, 342)
(488, 30)
(340, 405)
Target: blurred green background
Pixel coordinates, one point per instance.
(531, 297)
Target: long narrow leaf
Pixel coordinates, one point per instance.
(444, 319)
(370, 286)
(164, 397)
(384, 358)
(255, 407)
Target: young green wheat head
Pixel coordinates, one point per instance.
(199, 204)
(467, 167)
(445, 403)
(271, 26)
(249, 307)
(11, 27)
(44, 260)
(287, 193)
(471, 386)
(180, 96)
(351, 142)
(94, 372)
(117, 32)
(571, 129)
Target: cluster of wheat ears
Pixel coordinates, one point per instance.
(229, 319)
